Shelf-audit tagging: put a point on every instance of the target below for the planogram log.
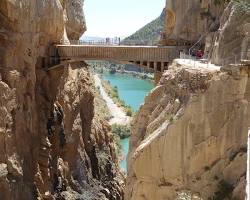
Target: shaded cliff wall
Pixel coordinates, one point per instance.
(52, 143)
(191, 135)
(232, 42)
(190, 19)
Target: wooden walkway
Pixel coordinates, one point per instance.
(154, 57)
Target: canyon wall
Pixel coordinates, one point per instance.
(190, 136)
(53, 144)
(189, 20)
(232, 42)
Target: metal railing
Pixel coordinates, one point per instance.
(108, 42)
(195, 44)
(117, 42)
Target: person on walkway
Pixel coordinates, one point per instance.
(199, 54)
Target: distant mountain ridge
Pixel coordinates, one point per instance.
(149, 34)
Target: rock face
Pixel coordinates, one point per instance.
(190, 19)
(52, 142)
(210, 24)
(191, 135)
(232, 46)
(75, 24)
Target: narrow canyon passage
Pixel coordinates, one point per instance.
(132, 90)
(66, 133)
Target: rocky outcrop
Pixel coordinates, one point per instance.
(75, 24)
(191, 135)
(52, 142)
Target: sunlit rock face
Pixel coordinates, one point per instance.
(75, 24)
(52, 142)
(191, 135)
(229, 46)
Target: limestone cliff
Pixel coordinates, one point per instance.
(191, 19)
(191, 135)
(227, 46)
(189, 138)
(53, 145)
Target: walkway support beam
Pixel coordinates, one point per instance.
(118, 53)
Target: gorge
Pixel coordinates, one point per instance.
(189, 138)
(132, 91)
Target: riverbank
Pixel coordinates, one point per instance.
(102, 67)
(143, 76)
(113, 93)
(118, 116)
(132, 91)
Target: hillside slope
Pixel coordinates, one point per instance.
(149, 34)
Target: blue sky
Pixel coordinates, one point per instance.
(119, 18)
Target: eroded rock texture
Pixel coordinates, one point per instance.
(191, 135)
(232, 42)
(190, 20)
(52, 144)
(222, 28)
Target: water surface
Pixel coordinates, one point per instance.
(132, 91)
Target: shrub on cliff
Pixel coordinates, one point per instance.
(123, 131)
(242, 6)
(244, 3)
(129, 111)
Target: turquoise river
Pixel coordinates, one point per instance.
(132, 91)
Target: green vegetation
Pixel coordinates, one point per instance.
(149, 34)
(120, 132)
(62, 3)
(123, 131)
(118, 146)
(242, 6)
(242, 3)
(113, 93)
(129, 111)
